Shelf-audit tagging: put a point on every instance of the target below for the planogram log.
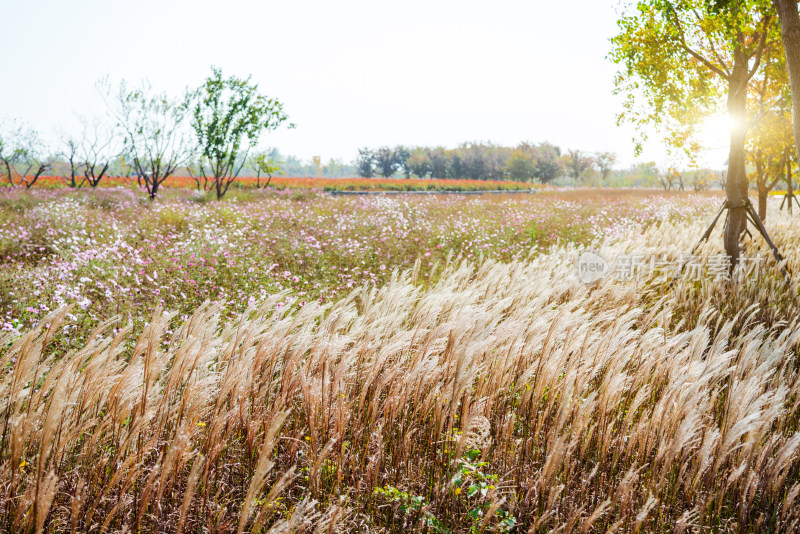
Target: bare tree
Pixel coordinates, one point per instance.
(90, 156)
(667, 178)
(99, 148)
(73, 176)
(22, 155)
(195, 170)
(156, 138)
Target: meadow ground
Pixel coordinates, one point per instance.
(292, 362)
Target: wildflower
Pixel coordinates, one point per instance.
(201, 424)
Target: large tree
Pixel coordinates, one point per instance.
(770, 139)
(685, 58)
(228, 119)
(790, 34)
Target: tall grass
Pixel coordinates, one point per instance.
(497, 397)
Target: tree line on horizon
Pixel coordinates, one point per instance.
(526, 162)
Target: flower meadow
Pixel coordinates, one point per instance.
(276, 363)
(322, 184)
(109, 252)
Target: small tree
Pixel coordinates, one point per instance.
(195, 169)
(156, 140)
(72, 177)
(402, 154)
(228, 120)
(365, 163)
(668, 178)
(91, 157)
(605, 163)
(21, 156)
(264, 165)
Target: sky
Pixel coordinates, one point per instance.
(350, 73)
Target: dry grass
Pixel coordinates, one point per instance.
(589, 409)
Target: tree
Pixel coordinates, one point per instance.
(790, 34)
(99, 148)
(770, 140)
(605, 163)
(89, 158)
(195, 169)
(547, 162)
(440, 162)
(22, 159)
(402, 154)
(156, 139)
(578, 163)
(70, 154)
(644, 174)
(365, 163)
(228, 119)
(520, 165)
(418, 163)
(386, 161)
(668, 177)
(263, 164)
(684, 57)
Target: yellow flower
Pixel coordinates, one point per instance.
(308, 438)
(22, 464)
(458, 491)
(201, 424)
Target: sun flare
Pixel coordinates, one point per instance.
(716, 131)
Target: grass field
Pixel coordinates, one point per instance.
(297, 362)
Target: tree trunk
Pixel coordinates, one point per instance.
(789, 188)
(790, 33)
(736, 183)
(761, 185)
(763, 193)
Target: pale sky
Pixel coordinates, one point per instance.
(350, 73)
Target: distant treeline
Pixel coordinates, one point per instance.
(292, 166)
(527, 162)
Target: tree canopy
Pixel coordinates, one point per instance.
(228, 119)
(684, 60)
